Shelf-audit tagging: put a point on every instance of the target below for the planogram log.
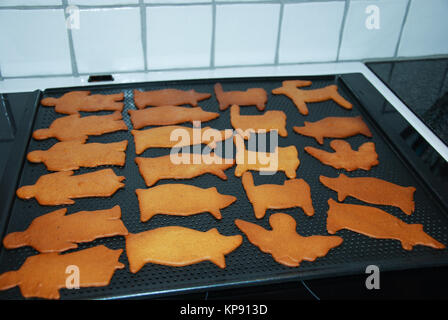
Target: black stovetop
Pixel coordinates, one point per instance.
(423, 86)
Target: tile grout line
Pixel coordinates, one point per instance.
(70, 41)
(143, 31)
(212, 44)
(341, 31)
(279, 33)
(400, 35)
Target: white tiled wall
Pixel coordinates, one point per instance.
(147, 35)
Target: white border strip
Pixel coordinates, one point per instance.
(312, 69)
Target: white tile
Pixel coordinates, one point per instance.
(4, 3)
(177, 1)
(363, 38)
(101, 2)
(33, 42)
(179, 36)
(246, 33)
(108, 40)
(426, 29)
(310, 32)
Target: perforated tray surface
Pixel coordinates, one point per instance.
(246, 265)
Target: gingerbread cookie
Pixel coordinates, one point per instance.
(72, 155)
(75, 101)
(169, 115)
(61, 187)
(284, 159)
(290, 88)
(293, 193)
(376, 223)
(57, 232)
(168, 97)
(269, 121)
(251, 97)
(372, 190)
(334, 127)
(345, 157)
(155, 169)
(177, 136)
(286, 246)
(181, 200)
(178, 246)
(44, 274)
(75, 127)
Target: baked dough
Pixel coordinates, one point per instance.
(376, 223)
(44, 274)
(284, 243)
(300, 97)
(75, 101)
(57, 232)
(251, 97)
(168, 97)
(61, 187)
(178, 246)
(181, 200)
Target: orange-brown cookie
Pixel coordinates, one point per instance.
(75, 127)
(168, 97)
(251, 97)
(181, 200)
(177, 136)
(61, 187)
(290, 88)
(372, 190)
(284, 159)
(44, 274)
(334, 127)
(376, 223)
(72, 155)
(345, 157)
(75, 101)
(155, 169)
(269, 121)
(293, 193)
(178, 246)
(57, 232)
(286, 246)
(169, 115)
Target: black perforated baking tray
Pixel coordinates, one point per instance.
(246, 265)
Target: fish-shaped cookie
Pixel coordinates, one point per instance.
(345, 157)
(164, 167)
(168, 97)
(177, 136)
(284, 159)
(273, 120)
(72, 155)
(376, 223)
(284, 243)
(372, 190)
(181, 200)
(75, 127)
(61, 187)
(169, 115)
(44, 274)
(57, 232)
(300, 97)
(293, 193)
(334, 127)
(75, 101)
(178, 246)
(251, 97)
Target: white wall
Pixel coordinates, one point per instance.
(145, 35)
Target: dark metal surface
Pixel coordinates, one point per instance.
(246, 266)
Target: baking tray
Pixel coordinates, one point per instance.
(246, 265)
